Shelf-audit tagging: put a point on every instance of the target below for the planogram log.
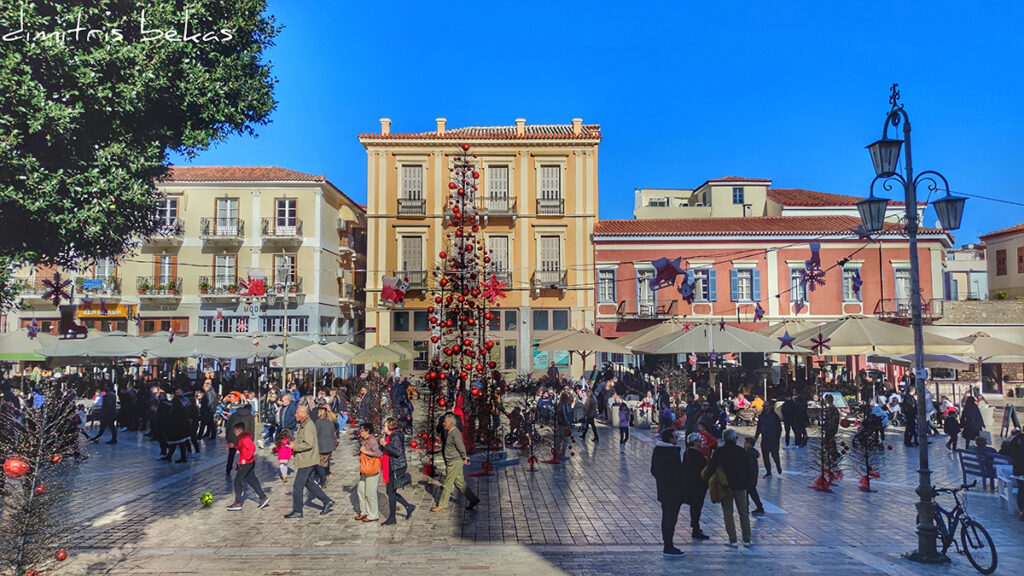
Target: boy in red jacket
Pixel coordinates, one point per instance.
(246, 468)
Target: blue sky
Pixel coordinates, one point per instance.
(684, 91)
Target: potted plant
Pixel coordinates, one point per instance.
(293, 287)
(145, 287)
(160, 288)
(115, 285)
(79, 282)
(232, 288)
(204, 286)
(172, 287)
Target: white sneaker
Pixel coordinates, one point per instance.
(731, 545)
(260, 444)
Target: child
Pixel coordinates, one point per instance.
(79, 419)
(753, 455)
(246, 468)
(624, 416)
(951, 426)
(283, 447)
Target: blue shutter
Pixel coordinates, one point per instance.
(734, 282)
(712, 285)
(757, 284)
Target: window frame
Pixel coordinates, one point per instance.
(602, 287)
(742, 195)
(405, 180)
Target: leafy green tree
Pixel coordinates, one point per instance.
(94, 94)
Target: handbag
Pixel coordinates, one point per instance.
(368, 466)
(404, 479)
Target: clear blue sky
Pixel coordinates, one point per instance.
(684, 91)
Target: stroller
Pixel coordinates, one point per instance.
(746, 416)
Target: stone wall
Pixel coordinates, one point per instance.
(982, 312)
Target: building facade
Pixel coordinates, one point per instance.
(738, 264)
(538, 196)
(965, 273)
(224, 231)
(1004, 254)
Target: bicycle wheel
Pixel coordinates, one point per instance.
(978, 546)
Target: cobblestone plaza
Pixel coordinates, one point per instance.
(594, 515)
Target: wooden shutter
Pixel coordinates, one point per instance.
(734, 285)
(412, 182)
(500, 257)
(550, 253)
(550, 182)
(755, 281)
(712, 285)
(498, 182)
(412, 253)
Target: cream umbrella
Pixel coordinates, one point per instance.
(653, 332)
(377, 355)
(991, 350)
(706, 337)
(930, 360)
(582, 342)
(402, 349)
(789, 326)
(853, 335)
(109, 345)
(205, 346)
(315, 356)
(18, 347)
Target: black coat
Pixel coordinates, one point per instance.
(735, 461)
(769, 427)
(243, 415)
(395, 449)
(177, 423)
(971, 422)
(326, 432)
(695, 488)
(108, 409)
(752, 467)
(667, 470)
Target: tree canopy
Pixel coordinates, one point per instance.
(94, 94)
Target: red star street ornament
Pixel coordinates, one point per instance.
(787, 341)
(57, 289)
(33, 329)
(493, 289)
(820, 344)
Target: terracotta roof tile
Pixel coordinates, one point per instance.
(238, 174)
(532, 132)
(756, 226)
(1010, 230)
(739, 179)
(801, 197)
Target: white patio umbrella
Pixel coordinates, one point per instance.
(315, 356)
(110, 345)
(18, 347)
(853, 335)
(204, 346)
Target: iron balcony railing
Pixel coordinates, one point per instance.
(173, 228)
(221, 228)
(109, 286)
(412, 207)
(550, 279)
(417, 278)
(210, 286)
(281, 228)
(901, 308)
(550, 206)
(499, 205)
(282, 286)
(645, 309)
(162, 286)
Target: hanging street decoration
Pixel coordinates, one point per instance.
(242, 326)
(721, 325)
(393, 289)
(33, 329)
(57, 289)
(493, 290)
(787, 341)
(820, 344)
(686, 288)
(758, 313)
(665, 272)
(798, 306)
(812, 276)
(857, 282)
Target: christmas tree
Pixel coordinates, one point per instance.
(37, 446)
(867, 451)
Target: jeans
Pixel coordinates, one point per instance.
(394, 497)
(588, 424)
(367, 492)
(669, 517)
(304, 480)
(454, 478)
(739, 499)
(247, 475)
(752, 493)
(770, 450)
(342, 422)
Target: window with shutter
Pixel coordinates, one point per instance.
(741, 285)
(606, 285)
(227, 217)
(498, 182)
(797, 289)
(224, 271)
(412, 253)
(412, 182)
(550, 182)
(645, 298)
(550, 253)
(164, 269)
(104, 269)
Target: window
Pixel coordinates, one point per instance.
(227, 217)
(510, 355)
(412, 182)
(559, 319)
(1020, 260)
(500, 256)
(511, 320)
(298, 324)
(401, 320)
(551, 182)
(287, 215)
(167, 212)
(327, 325)
(797, 288)
(849, 294)
(902, 285)
(412, 254)
(658, 203)
(705, 286)
(540, 320)
(745, 284)
(645, 297)
(1000, 262)
(273, 324)
(225, 325)
(224, 271)
(497, 182)
(104, 269)
(421, 359)
(165, 267)
(495, 322)
(606, 285)
(284, 269)
(737, 195)
(420, 322)
(550, 253)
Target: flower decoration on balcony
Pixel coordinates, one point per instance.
(812, 275)
(787, 341)
(820, 344)
(686, 289)
(758, 313)
(33, 329)
(493, 289)
(665, 272)
(57, 289)
(220, 314)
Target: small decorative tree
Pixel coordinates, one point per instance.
(867, 451)
(34, 530)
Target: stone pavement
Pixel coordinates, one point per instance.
(594, 515)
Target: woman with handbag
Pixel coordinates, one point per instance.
(395, 470)
(369, 474)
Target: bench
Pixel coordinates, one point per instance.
(1008, 486)
(972, 463)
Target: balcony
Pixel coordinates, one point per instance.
(28, 288)
(550, 206)
(170, 233)
(900, 309)
(158, 287)
(645, 310)
(99, 287)
(417, 278)
(549, 280)
(222, 231)
(499, 206)
(281, 232)
(218, 288)
(412, 207)
(281, 287)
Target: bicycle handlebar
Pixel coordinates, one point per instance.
(936, 491)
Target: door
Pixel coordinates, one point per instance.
(412, 259)
(227, 217)
(167, 213)
(903, 292)
(954, 289)
(550, 190)
(224, 272)
(550, 273)
(287, 216)
(497, 193)
(645, 297)
(500, 256)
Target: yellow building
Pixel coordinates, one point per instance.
(224, 229)
(538, 193)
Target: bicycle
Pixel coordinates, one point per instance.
(974, 539)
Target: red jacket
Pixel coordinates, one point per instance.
(246, 448)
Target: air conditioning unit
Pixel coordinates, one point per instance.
(699, 204)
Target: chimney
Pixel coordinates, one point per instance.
(577, 126)
(385, 126)
(440, 125)
(520, 126)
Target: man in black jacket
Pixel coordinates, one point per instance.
(769, 429)
(734, 461)
(589, 413)
(108, 415)
(667, 469)
(789, 417)
(207, 410)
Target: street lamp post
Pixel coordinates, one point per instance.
(885, 155)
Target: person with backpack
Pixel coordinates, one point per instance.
(667, 469)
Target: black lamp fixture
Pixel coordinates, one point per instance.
(872, 212)
(885, 155)
(950, 210)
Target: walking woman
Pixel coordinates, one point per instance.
(695, 487)
(178, 432)
(369, 474)
(394, 467)
(971, 422)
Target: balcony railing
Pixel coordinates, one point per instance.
(645, 310)
(158, 286)
(28, 287)
(170, 230)
(550, 206)
(286, 229)
(499, 205)
(412, 207)
(285, 287)
(110, 286)
(550, 280)
(900, 308)
(417, 278)
(218, 287)
(222, 229)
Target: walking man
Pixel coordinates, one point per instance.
(667, 469)
(769, 428)
(108, 413)
(589, 413)
(305, 459)
(454, 452)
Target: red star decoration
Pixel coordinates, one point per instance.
(493, 290)
(33, 329)
(820, 344)
(686, 327)
(56, 289)
(787, 341)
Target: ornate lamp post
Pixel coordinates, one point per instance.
(885, 155)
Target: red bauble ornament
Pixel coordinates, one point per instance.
(31, 573)
(464, 375)
(413, 444)
(465, 147)
(479, 367)
(492, 364)
(434, 339)
(489, 344)
(15, 467)
(40, 489)
(442, 254)
(487, 259)
(475, 392)
(441, 402)
(476, 174)
(430, 309)
(488, 316)
(444, 282)
(61, 555)
(56, 459)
